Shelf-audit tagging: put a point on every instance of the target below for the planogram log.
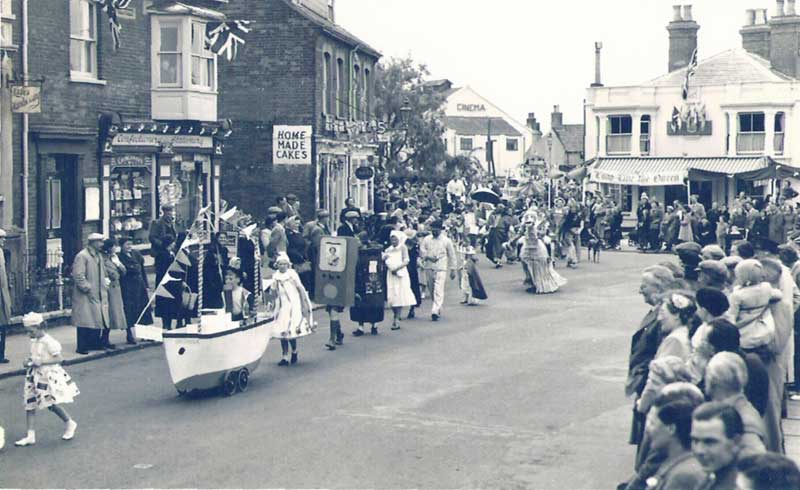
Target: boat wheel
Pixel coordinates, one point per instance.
(244, 379)
(229, 385)
(181, 392)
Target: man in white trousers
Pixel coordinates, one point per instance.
(438, 256)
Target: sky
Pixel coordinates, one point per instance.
(529, 55)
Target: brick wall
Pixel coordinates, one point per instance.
(277, 79)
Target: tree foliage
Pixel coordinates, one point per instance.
(401, 81)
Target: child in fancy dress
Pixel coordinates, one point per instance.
(472, 289)
(47, 385)
(238, 300)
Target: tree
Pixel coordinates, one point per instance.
(419, 134)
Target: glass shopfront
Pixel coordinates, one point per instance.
(132, 200)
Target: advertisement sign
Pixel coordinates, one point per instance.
(26, 99)
(149, 139)
(639, 178)
(291, 145)
(364, 173)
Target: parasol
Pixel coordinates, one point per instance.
(484, 194)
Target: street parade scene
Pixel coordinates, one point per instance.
(338, 244)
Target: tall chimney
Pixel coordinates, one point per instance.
(756, 32)
(531, 121)
(332, 10)
(556, 118)
(784, 37)
(779, 12)
(598, 46)
(682, 37)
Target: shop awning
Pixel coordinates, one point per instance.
(658, 171)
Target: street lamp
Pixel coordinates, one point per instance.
(405, 112)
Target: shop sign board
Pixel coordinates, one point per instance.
(639, 178)
(364, 173)
(26, 99)
(133, 161)
(177, 140)
(291, 145)
(471, 108)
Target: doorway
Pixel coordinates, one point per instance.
(62, 223)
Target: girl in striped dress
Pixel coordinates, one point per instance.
(47, 385)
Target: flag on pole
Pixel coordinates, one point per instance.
(690, 71)
(675, 122)
(228, 214)
(224, 38)
(110, 7)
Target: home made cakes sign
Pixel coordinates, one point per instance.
(291, 145)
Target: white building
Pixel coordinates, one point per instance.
(471, 118)
(736, 130)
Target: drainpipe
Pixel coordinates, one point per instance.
(25, 147)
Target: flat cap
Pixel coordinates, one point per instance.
(351, 214)
(93, 237)
(712, 252)
(689, 247)
(714, 269)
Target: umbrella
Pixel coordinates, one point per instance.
(484, 194)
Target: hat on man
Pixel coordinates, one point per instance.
(689, 247)
(291, 197)
(94, 237)
(274, 210)
(351, 214)
(712, 300)
(714, 269)
(731, 262)
(712, 252)
(322, 213)
(168, 207)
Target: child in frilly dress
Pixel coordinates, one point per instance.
(47, 385)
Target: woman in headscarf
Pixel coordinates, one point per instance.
(294, 318)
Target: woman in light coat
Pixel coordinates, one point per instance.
(114, 272)
(89, 295)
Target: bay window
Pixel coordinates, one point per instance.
(169, 55)
(750, 138)
(202, 58)
(83, 39)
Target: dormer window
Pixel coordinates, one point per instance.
(184, 70)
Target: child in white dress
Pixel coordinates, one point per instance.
(47, 385)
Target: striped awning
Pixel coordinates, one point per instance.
(657, 171)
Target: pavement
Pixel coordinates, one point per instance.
(521, 392)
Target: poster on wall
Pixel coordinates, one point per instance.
(291, 145)
(26, 99)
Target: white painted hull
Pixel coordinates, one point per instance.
(199, 359)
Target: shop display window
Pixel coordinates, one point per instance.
(131, 201)
(186, 188)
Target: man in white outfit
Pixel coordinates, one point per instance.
(438, 256)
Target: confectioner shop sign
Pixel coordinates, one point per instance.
(291, 145)
(132, 161)
(180, 140)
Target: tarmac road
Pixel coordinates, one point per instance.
(523, 392)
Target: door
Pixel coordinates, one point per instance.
(62, 209)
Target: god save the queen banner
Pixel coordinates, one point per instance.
(639, 178)
(291, 145)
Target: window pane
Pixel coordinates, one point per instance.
(779, 122)
(210, 73)
(75, 55)
(745, 123)
(89, 19)
(56, 203)
(627, 124)
(170, 68)
(758, 122)
(88, 57)
(75, 17)
(169, 38)
(616, 127)
(198, 38)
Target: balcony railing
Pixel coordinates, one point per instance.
(618, 144)
(778, 144)
(644, 144)
(750, 142)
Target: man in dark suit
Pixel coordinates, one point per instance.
(645, 342)
(162, 240)
(348, 226)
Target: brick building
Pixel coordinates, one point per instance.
(299, 71)
(119, 132)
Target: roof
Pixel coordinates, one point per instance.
(480, 126)
(658, 171)
(728, 67)
(571, 136)
(333, 29)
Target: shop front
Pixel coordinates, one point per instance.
(667, 180)
(147, 165)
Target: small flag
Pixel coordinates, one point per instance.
(110, 7)
(183, 258)
(249, 230)
(162, 292)
(675, 122)
(176, 267)
(690, 71)
(226, 37)
(228, 214)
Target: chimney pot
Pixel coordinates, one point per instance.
(790, 8)
(779, 12)
(760, 17)
(676, 13)
(682, 39)
(749, 17)
(687, 12)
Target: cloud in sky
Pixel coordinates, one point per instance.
(528, 55)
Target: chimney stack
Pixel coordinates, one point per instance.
(756, 32)
(533, 124)
(556, 118)
(784, 37)
(598, 46)
(779, 12)
(682, 37)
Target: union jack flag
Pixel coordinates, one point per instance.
(110, 7)
(224, 38)
(689, 74)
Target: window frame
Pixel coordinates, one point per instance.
(341, 89)
(462, 140)
(626, 137)
(645, 136)
(161, 24)
(779, 138)
(515, 141)
(756, 140)
(327, 67)
(204, 54)
(91, 40)
(53, 204)
(367, 73)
